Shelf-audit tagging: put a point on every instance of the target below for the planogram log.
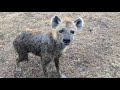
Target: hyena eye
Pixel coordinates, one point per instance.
(72, 31)
(61, 31)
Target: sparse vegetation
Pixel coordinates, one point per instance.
(94, 53)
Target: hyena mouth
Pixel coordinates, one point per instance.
(66, 43)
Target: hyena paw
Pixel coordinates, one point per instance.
(63, 76)
(18, 69)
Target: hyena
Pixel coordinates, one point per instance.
(48, 44)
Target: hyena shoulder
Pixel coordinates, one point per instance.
(44, 36)
(39, 31)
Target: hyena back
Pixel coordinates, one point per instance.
(49, 45)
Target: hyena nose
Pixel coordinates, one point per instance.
(66, 40)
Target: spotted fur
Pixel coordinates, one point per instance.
(48, 44)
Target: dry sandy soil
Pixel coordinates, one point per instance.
(95, 52)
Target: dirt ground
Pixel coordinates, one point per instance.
(95, 52)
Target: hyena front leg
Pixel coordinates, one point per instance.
(60, 75)
(45, 62)
(56, 60)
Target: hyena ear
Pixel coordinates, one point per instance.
(55, 21)
(79, 23)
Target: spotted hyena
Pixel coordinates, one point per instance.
(48, 44)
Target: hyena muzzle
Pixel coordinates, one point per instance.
(48, 44)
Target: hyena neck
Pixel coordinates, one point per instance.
(56, 43)
(59, 45)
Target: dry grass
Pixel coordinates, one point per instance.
(95, 53)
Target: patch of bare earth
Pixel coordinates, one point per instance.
(95, 52)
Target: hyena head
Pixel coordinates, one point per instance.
(64, 31)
